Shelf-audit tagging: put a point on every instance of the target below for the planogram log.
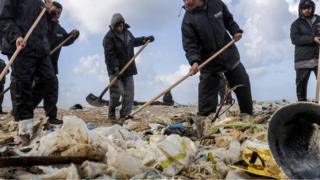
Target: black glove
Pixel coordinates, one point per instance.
(149, 38)
(116, 72)
(75, 33)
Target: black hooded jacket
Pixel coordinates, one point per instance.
(302, 36)
(56, 35)
(205, 31)
(118, 51)
(16, 17)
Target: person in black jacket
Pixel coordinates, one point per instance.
(16, 17)
(305, 36)
(119, 46)
(205, 30)
(56, 35)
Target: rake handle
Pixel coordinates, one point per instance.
(61, 44)
(114, 80)
(183, 78)
(19, 48)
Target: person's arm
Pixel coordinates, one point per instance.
(111, 58)
(298, 39)
(8, 28)
(142, 40)
(191, 44)
(229, 21)
(74, 33)
(139, 41)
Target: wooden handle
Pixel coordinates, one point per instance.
(114, 80)
(19, 48)
(161, 94)
(5, 91)
(183, 78)
(318, 81)
(61, 44)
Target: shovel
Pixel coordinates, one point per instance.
(19, 48)
(97, 101)
(294, 141)
(183, 78)
(52, 51)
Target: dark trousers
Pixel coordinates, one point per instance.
(24, 71)
(302, 78)
(50, 99)
(210, 85)
(1, 97)
(124, 88)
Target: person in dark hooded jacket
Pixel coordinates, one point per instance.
(205, 30)
(306, 38)
(119, 46)
(56, 35)
(16, 17)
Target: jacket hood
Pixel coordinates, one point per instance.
(306, 3)
(116, 18)
(188, 9)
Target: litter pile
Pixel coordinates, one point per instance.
(158, 145)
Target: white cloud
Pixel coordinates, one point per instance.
(293, 6)
(93, 16)
(172, 78)
(267, 29)
(256, 72)
(92, 65)
(186, 91)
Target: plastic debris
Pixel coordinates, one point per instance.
(180, 129)
(258, 160)
(237, 174)
(91, 126)
(64, 173)
(153, 174)
(161, 143)
(230, 155)
(175, 154)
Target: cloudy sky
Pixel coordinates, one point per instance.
(265, 49)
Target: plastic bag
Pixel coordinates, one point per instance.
(175, 153)
(258, 160)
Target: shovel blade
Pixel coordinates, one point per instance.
(96, 101)
(293, 137)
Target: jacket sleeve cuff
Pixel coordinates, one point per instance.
(194, 59)
(237, 31)
(240, 31)
(14, 36)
